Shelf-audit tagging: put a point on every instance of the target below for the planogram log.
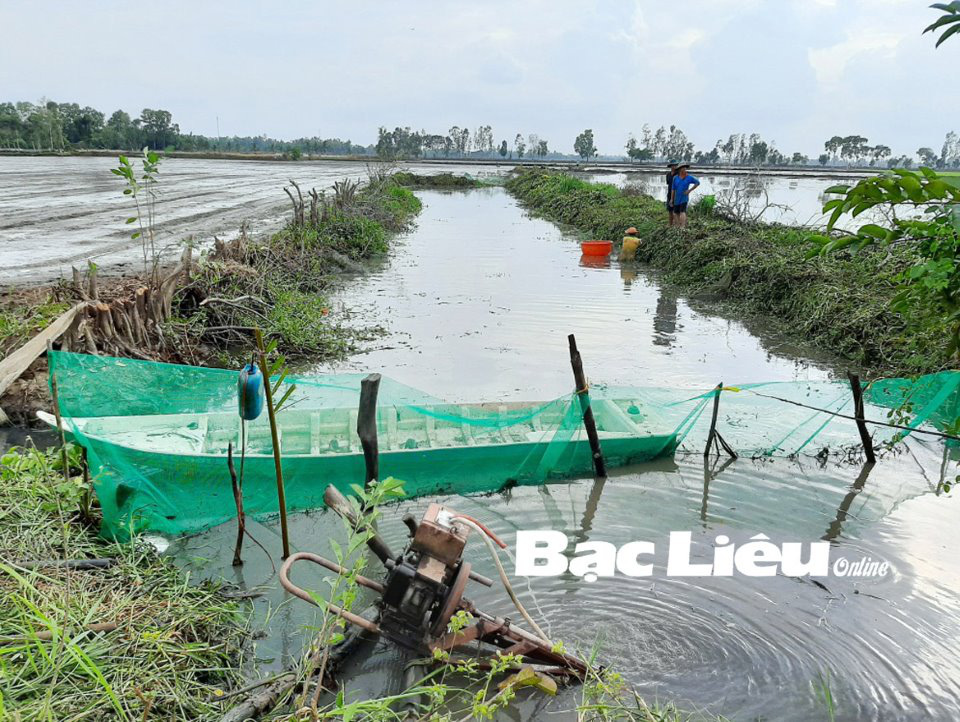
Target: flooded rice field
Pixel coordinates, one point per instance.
(477, 301)
(55, 212)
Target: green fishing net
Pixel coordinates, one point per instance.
(157, 434)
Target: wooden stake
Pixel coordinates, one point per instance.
(64, 458)
(238, 500)
(714, 438)
(267, 387)
(588, 421)
(92, 280)
(861, 421)
(367, 425)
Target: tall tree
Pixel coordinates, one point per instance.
(158, 129)
(927, 156)
(833, 146)
(583, 145)
(519, 146)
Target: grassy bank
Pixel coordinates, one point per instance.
(838, 304)
(25, 312)
(282, 284)
(170, 650)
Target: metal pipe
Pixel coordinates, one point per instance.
(305, 596)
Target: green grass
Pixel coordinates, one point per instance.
(437, 181)
(285, 283)
(20, 321)
(840, 304)
(175, 648)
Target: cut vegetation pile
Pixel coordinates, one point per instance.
(166, 650)
(840, 304)
(438, 181)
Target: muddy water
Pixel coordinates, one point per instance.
(477, 302)
(480, 298)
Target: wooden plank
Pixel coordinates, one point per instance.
(315, 434)
(19, 361)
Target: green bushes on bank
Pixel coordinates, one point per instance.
(283, 285)
(839, 304)
(437, 181)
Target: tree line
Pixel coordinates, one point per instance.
(743, 149)
(457, 143)
(61, 126)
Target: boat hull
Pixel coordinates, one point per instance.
(174, 494)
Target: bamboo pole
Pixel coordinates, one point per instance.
(714, 438)
(859, 415)
(583, 394)
(238, 500)
(267, 387)
(64, 458)
(367, 426)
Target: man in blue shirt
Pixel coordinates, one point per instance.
(683, 185)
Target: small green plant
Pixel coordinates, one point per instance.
(142, 189)
(825, 695)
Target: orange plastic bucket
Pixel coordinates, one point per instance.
(596, 248)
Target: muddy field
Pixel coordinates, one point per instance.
(55, 212)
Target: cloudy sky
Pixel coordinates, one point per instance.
(795, 71)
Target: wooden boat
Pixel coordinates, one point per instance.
(168, 472)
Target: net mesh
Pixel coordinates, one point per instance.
(157, 434)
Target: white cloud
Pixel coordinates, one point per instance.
(787, 70)
(831, 62)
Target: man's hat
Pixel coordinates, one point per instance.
(683, 165)
(671, 162)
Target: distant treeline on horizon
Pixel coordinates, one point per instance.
(55, 126)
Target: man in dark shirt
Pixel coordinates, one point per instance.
(671, 171)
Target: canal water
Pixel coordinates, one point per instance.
(476, 303)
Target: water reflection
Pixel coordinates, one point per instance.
(665, 320)
(836, 526)
(594, 261)
(745, 647)
(713, 466)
